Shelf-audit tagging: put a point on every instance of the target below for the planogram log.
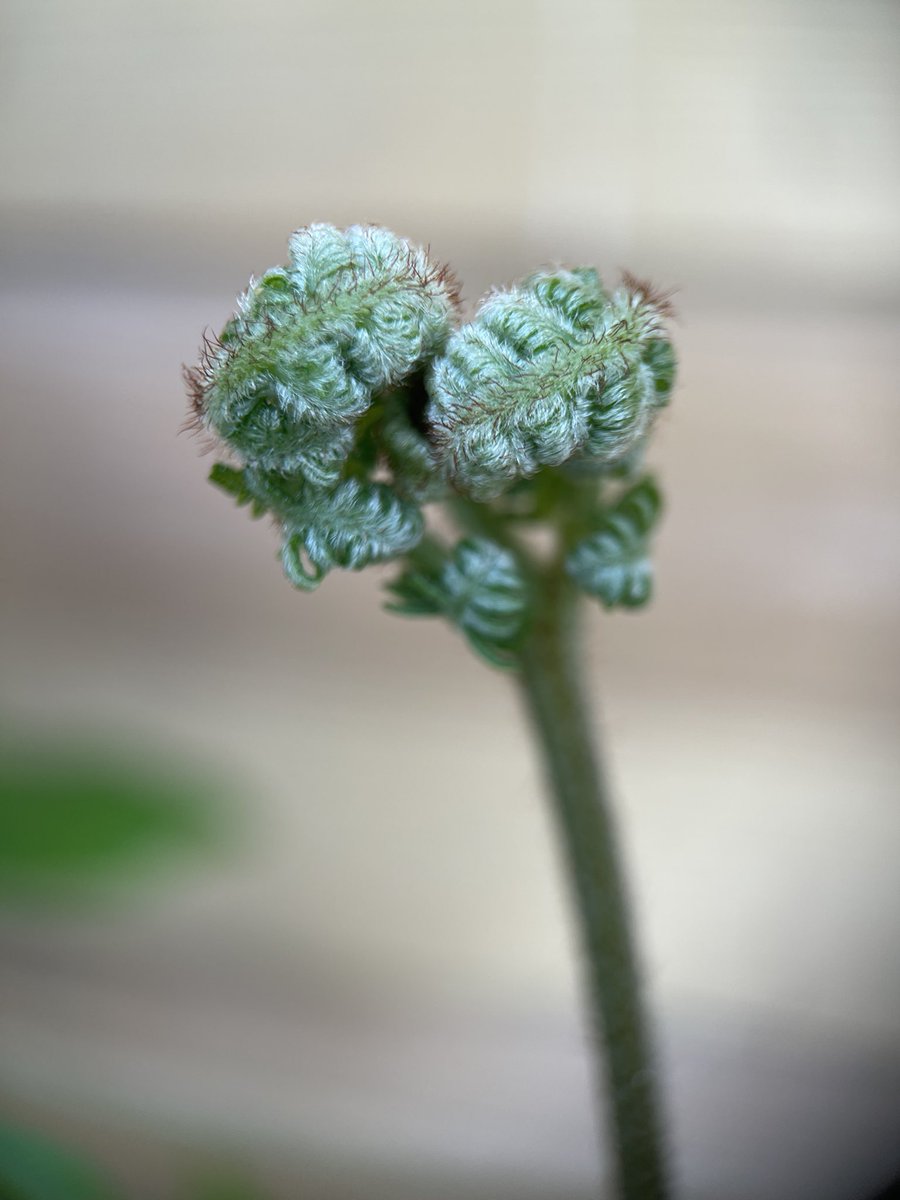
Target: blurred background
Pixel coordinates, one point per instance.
(323, 949)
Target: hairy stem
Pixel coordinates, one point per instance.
(556, 705)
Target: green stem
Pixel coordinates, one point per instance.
(556, 705)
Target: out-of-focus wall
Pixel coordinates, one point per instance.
(752, 143)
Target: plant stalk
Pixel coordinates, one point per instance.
(555, 702)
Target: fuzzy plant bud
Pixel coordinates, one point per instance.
(352, 313)
(550, 371)
(313, 386)
(348, 398)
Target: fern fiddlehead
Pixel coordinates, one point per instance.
(349, 398)
(298, 387)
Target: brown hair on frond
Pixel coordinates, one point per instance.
(196, 382)
(661, 300)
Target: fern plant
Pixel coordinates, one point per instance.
(349, 395)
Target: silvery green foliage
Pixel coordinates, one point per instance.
(612, 563)
(479, 587)
(347, 402)
(551, 370)
(310, 385)
(350, 525)
(312, 343)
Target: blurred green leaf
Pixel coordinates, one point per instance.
(72, 815)
(32, 1168)
(232, 1185)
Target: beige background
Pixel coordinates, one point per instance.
(377, 985)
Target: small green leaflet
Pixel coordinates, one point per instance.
(349, 526)
(612, 563)
(419, 591)
(479, 588)
(233, 481)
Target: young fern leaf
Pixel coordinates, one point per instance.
(613, 563)
(418, 591)
(352, 313)
(310, 384)
(348, 404)
(479, 588)
(550, 369)
(232, 481)
(487, 594)
(351, 526)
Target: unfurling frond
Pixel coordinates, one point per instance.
(352, 526)
(613, 563)
(351, 314)
(348, 398)
(551, 369)
(479, 587)
(312, 386)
